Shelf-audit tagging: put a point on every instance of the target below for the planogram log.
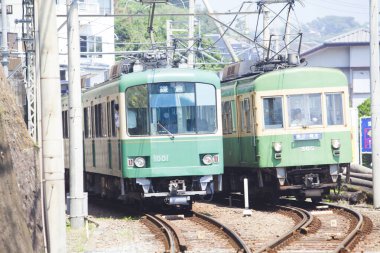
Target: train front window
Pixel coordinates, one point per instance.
(182, 108)
(174, 108)
(304, 110)
(137, 110)
(334, 106)
(273, 112)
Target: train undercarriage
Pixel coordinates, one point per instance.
(301, 182)
(168, 191)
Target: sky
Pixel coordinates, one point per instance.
(312, 9)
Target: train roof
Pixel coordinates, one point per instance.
(290, 78)
(168, 75)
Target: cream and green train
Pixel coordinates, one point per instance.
(154, 134)
(287, 130)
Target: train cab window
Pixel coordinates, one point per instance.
(137, 110)
(334, 108)
(273, 112)
(227, 117)
(304, 110)
(182, 108)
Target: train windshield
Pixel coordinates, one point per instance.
(304, 110)
(171, 108)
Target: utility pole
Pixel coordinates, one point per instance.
(4, 36)
(75, 111)
(266, 32)
(375, 103)
(190, 59)
(52, 141)
(210, 11)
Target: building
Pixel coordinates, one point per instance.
(350, 53)
(96, 38)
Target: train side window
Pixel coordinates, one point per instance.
(87, 122)
(104, 120)
(247, 114)
(65, 125)
(98, 120)
(93, 123)
(227, 117)
(334, 106)
(273, 112)
(114, 116)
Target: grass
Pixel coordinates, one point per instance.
(77, 238)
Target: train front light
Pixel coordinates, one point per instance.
(335, 143)
(139, 162)
(207, 159)
(277, 146)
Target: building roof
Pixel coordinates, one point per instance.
(356, 37)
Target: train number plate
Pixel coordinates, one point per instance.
(160, 158)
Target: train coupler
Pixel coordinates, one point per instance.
(311, 180)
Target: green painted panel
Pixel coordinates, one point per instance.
(240, 152)
(291, 78)
(299, 78)
(294, 152)
(177, 157)
(169, 75)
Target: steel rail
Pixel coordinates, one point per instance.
(168, 231)
(301, 227)
(343, 246)
(231, 234)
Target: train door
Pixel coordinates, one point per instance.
(245, 132)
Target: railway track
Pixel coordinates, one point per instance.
(330, 229)
(336, 229)
(194, 233)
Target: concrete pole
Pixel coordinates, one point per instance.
(266, 32)
(38, 126)
(52, 141)
(75, 111)
(169, 37)
(4, 37)
(375, 102)
(234, 57)
(190, 58)
(247, 211)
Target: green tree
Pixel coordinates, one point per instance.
(132, 32)
(365, 108)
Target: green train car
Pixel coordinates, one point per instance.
(154, 134)
(287, 130)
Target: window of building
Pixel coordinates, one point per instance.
(91, 44)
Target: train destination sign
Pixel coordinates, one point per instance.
(309, 136)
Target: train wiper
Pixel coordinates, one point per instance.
(160, 125)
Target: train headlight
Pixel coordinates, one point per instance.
(277, 146)
(207, 159)
(335, 143)
(215, 158)
(139, 162)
